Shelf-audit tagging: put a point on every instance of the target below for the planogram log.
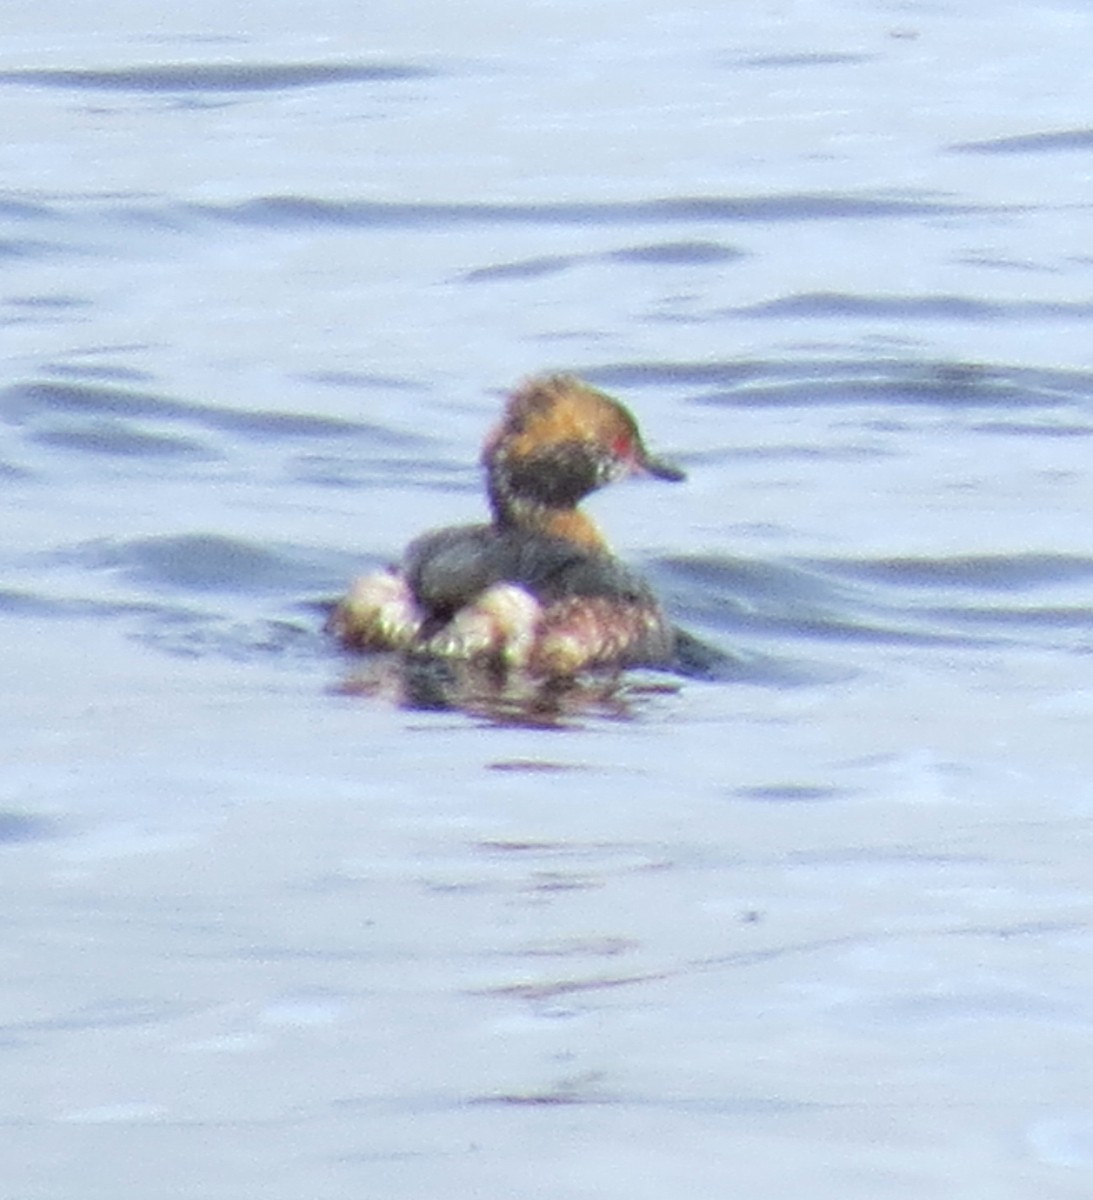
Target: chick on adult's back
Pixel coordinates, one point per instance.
(536, 589)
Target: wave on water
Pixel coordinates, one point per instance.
(206, 562)
(87, 224)
(954, 602)
(1030, 143)
(656, 254)
(826, 305)
(897, 382)
(216, 77)
(805, 206)
(22, 403)
(195, 595)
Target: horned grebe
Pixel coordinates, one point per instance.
(537, 589)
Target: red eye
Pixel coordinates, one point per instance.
(623, 447)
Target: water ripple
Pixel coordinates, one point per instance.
(811, 59)
(1009, 573)
(216, 77)
(658, 254)
(25, 402)
(120, 439)
(826, 305)
(804, 206)
(940, 382)
(1030, 143)
(203, 562)
(760, 600)
(23, 827)
(24, 210)
(888, 601)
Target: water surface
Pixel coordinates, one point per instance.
(818, 926)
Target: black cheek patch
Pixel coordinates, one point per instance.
(559, 477)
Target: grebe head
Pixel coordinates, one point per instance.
(559, 440)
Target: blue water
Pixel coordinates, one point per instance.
(813, 923)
